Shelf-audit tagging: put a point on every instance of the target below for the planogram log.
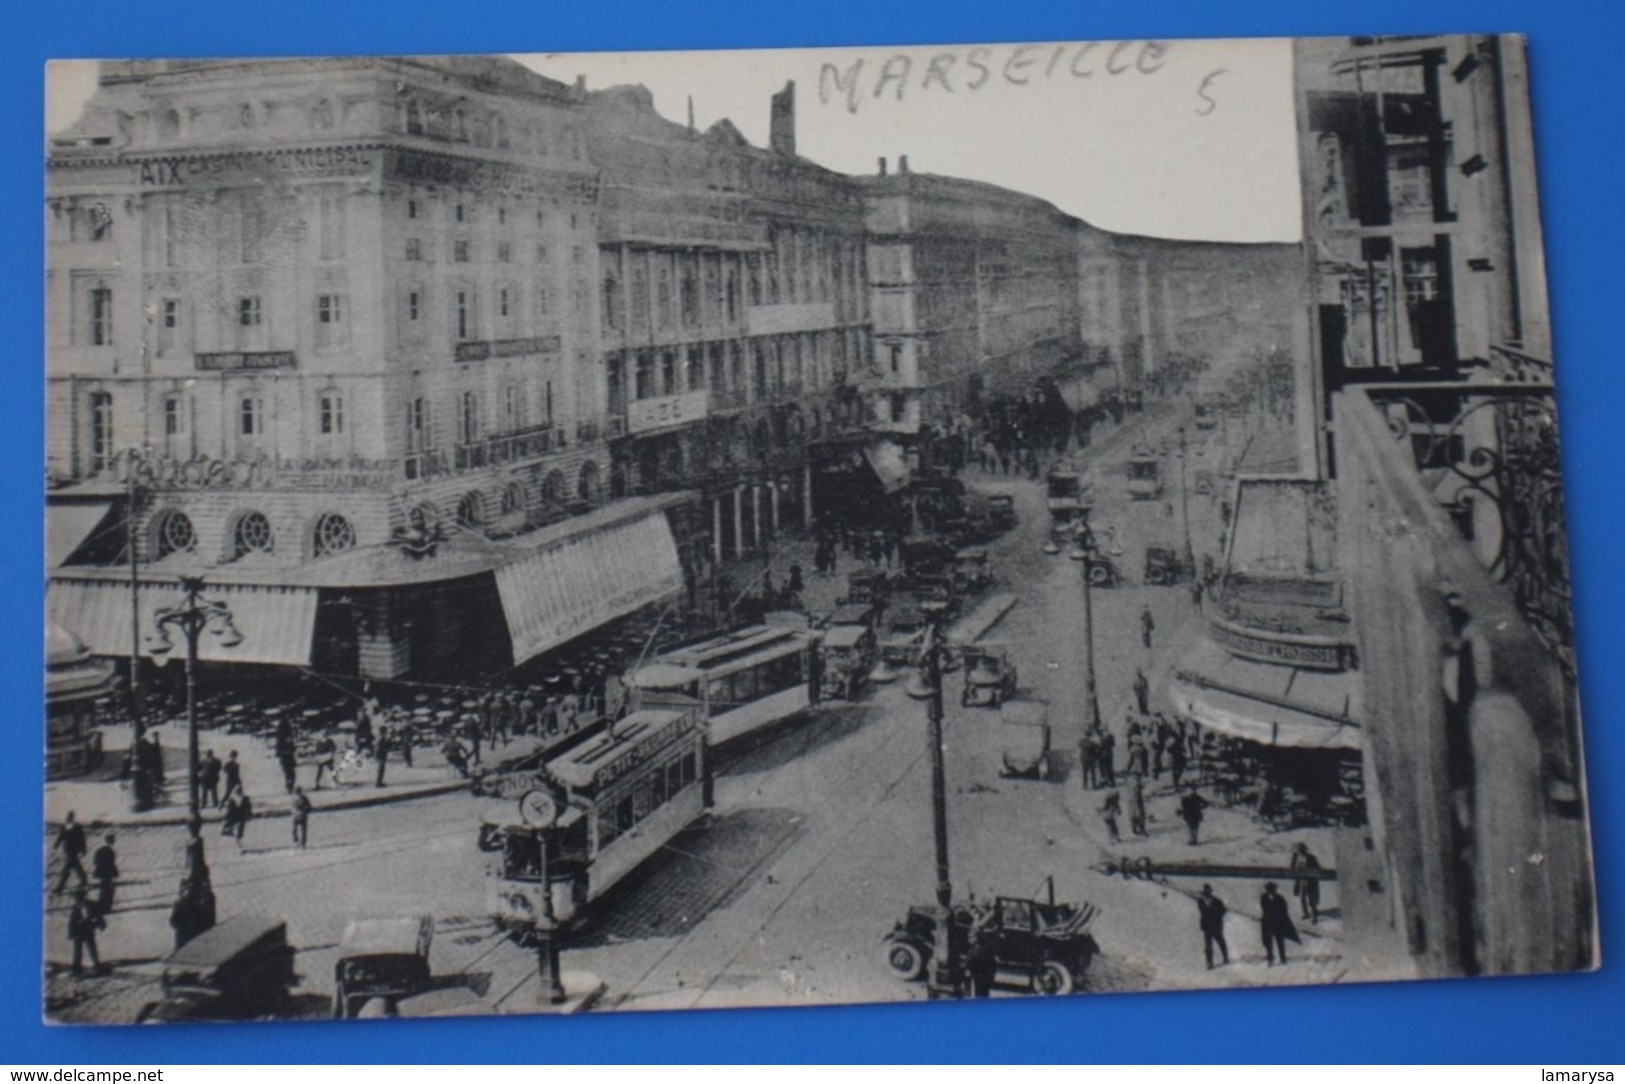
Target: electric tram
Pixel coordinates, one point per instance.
(738, 682)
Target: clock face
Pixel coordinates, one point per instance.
(537, 808)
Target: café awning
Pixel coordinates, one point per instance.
(585, 579)
(276, 622)
(68, 526)
(1268, 703)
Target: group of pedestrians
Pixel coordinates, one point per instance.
(1275, 925)
(88, 915)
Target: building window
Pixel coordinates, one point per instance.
(512, 409)
(417, 424)
(248, 312)
(101, 431)
(502, 301)
(175, 534)
(333, 534)
(463, 322)
(663, 298)
(502, 216)
(668, 372)
(644, 386)
(169, 323)
(504, 252)
(896, 352)
(513, 498)
(174, 416)
(250, 417)
(412, 305)
(414, 118)
(470, 420)
(411, 208)
(689, 298)
(612, 303)
(459, 251)
(458, 212)
(414, 248)
(470, 510)
(252, 535)
(329, 320)
(101, 316)
(330, 413)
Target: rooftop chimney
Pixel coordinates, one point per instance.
(782, 122)
(883, 165)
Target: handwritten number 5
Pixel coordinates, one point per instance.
(1201, 92)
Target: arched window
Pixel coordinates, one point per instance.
(174, 534)
(553, 487)
(333, 534)
(587, 484)
(470, 510)
(252, 535)
(513, 498)
(101, 431)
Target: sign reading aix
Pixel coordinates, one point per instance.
(646, 414)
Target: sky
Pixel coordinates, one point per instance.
(1183, 139)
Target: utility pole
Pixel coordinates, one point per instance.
(1185, 504)
(943, 980)
(141, 791)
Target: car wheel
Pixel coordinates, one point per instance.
(1100, 576)
(1054, 978)
(906, 961)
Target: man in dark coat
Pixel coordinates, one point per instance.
(301, 817)
(232, 773)
(70, 840)
(1110, 810)
(1148, 625)
(381, 754)
(208, 780)
(1307, 889)
(1190, 811)
(1142, 692)
(1106, 752)
(1211, 911)
(1275, 923)
(1089, 759)
(83, 922)
(104, 867)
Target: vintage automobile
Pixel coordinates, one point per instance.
(867, 585)
(1064, 494)
(925, 556)
(990, 677)
(1001, 512)
(237, 970)
(973, 572)
(849, 654)
(906, 628)
(866, 614)
(936, 597)
(1144, 476)
(381, 958)
(1024, 738)
(1044, 947)
(1163, 565)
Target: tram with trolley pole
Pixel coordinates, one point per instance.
(738, 682)
(598, 812)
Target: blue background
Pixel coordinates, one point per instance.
(1576, 73)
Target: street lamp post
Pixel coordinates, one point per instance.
(1184, 503)
(194, 907)
(926, 685)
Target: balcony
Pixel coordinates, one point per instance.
(1451, 534)
(507, 448)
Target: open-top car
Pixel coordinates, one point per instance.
(381, 958)
(1044, 947)
(973, 571)
(236, 970)
(990, 677)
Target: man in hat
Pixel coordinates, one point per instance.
(1210, 911)
(232, 773)
(1306, 888)
(1142, 692)
(83, 922)
(70, 840)
(1136, 807)
(1275, 923)
(104, 867)
(208, 780)
(1191, 809)
(301, 817)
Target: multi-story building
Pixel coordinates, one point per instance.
(975, 293)
(733, 313)
(326, 332)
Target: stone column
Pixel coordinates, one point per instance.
(739, 520)
(756, 515)
(806, 495)
(716, 529)
(773, 505)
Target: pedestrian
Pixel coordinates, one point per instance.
(1211, 911)
(70, 840)
(301, 817)
(1110, 810)
(83, 922)
(1089, 759)
(1107, 752)
(1307, 888)
(527, 713)
(289, 762)
(208, 780)
(471, 730)
(981, 960)
(1275, 923)
(456, 757)
(104, 867)
(1142, 692)
(793, 586)
(239, 809)
(232, 773)
(1148, 625)
(403, 738)
(1196, 593)
(1177, 760)
(1136, 808)
(1190, 811)
(381, 755)
(327, 751)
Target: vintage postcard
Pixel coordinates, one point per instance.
(553, 533)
